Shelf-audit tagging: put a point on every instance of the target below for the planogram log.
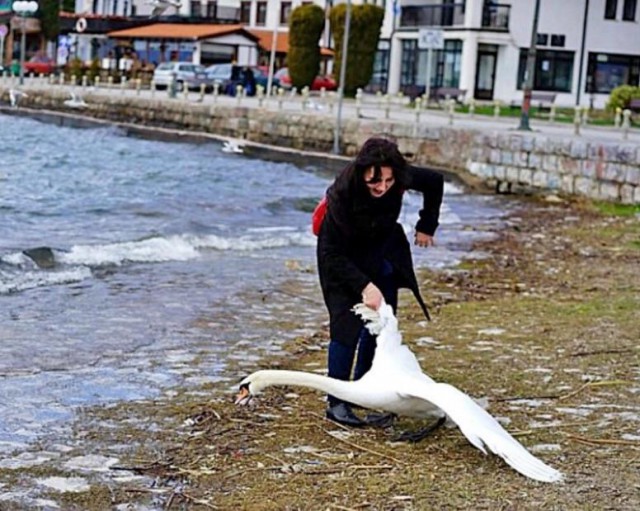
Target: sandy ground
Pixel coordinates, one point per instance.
(546, 327)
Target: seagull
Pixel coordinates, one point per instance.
(15, 96)
(232, 146)
(159, 6)
(75, 101)
(396, 383)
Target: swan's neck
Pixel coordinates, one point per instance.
(341, 389)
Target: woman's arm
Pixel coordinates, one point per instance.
(430, 184)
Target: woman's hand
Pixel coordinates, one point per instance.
(372, 296)
(424, 240)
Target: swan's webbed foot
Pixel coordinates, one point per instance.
(421, 434)
(380, 420)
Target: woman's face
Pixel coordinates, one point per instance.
(379, 186)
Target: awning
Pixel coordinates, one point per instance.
(265, 39)
(191, 32)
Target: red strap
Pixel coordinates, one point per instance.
(318, 215)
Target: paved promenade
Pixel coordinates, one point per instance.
(370, 108)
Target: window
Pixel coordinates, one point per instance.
(629, 10)
(445, 70)
(542, 39)
(285, 12)
(553, 70)
(261, 17)
(380, 75)
(557, 40)
(245, 12)
(610, 9)
(606, 71)
(196, 9)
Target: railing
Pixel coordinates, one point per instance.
(443, 15)
(496, 16)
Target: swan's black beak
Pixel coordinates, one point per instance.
(244, 396)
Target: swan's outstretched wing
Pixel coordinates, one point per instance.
(481, 429)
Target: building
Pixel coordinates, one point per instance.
(584, 49)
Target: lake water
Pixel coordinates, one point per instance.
(170, 260)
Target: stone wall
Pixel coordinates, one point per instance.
(608, 171)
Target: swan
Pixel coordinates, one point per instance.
(395, 383)
(231, 146)
(75, 101)
(15, 96)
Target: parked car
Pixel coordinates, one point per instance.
(319, 81)
(229, 76)
(40, 65)
(187, 74)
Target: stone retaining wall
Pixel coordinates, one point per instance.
(608, 171)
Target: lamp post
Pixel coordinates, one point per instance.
(343, 73)
(24, 10)
(529, 72)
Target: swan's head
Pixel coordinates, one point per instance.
(250, 387)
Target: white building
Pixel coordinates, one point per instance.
(584, 49)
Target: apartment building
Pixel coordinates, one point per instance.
(584, 48)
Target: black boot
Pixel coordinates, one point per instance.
(342, 414)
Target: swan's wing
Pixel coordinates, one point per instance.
(481, 429)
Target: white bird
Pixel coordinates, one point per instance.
(395, 383)
(75, 101)
(159, 6)
(15, 96)
(232, 146)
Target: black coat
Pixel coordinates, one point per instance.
(351, 252)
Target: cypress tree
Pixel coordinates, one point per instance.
(305, 29)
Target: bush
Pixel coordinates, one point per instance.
(305, 29)
(364, 33)
(621, 96)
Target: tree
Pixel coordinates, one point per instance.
(49, 14)
(305, 29)
(364, 33)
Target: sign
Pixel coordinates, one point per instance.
(3, 30)
(81, 25)
(429, 39)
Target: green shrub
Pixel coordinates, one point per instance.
(364, 33)
(305, 29)
(621, 96)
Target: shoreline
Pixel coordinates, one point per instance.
(505, 327)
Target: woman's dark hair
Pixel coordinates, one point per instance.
(349, 190)
(376, 152)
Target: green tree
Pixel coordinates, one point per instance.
(305, 29)
(364, 33)
(49, 15)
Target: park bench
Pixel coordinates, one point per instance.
(634, 105)
(543, 100)
(442, 93)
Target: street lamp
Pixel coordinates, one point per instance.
(529, 72)
(24, 10)
(343, 73)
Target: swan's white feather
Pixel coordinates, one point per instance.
(396, 383)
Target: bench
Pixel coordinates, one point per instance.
(442, 93)
(543, 100)
(634, 105)
(436, 94)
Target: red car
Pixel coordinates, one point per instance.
(40, 65)
(319, 81)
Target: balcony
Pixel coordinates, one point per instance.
(443, 15)
(494, 16)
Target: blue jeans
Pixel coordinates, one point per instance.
(341, 356)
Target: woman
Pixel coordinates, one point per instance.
(364, 255)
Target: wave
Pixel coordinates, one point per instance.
(23, 270)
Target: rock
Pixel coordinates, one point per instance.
(42, 256)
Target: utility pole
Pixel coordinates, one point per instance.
(343, 73)
(529, 72)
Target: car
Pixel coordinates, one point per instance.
(188, 74)
(229, 76)
(319, 81)
(40, 65)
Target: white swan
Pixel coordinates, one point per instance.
(232, 146)
(15, 96)
(395, 383)
(75, 101)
